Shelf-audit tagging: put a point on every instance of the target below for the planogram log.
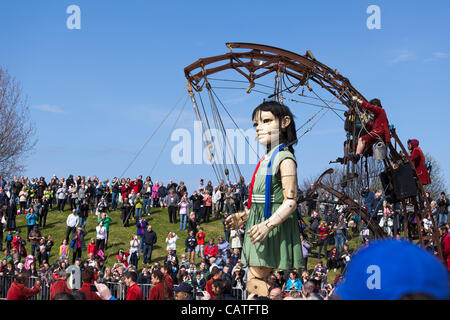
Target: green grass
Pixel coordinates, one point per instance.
(119, 237)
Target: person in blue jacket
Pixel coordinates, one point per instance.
(32, 220)
(141, 226)
(293, 282)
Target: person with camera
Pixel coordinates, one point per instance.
(32, 220)
(19, 290)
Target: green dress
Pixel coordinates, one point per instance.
(282, 248)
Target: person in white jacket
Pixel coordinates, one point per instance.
(102, 235)
(386, 224)
(72, 222)
(236, 238)
(171, 241)
(216, 202)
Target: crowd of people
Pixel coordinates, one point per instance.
(205, 268)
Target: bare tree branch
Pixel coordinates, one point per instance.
(17, 131)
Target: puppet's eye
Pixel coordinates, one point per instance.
(255, 124)
(267, 120)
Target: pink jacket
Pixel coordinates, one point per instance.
(155, 191)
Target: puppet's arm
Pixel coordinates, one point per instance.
(237, 220)
(288, 171)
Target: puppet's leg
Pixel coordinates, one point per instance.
(256, 280)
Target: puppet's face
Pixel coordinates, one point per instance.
(267, 127)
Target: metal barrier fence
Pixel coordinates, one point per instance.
(6, 282)
(118, 289)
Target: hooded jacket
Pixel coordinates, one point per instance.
(418, 159)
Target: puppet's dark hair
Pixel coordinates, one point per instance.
(288, 135)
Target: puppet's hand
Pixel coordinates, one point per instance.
(259, 232)
(236, 220)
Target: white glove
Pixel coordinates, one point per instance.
(355, 98)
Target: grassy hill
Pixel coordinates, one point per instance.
(119, 237)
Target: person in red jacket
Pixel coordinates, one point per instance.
(445, 242)
(92, 248)
(216, 273)
(123, 257)
(136, 186)
(60, 285)
(160, 290)
(418, 159)
(209, 251)
(167, 276)
(19, 291)
(88, 278)
(134, 292)
(379, 128)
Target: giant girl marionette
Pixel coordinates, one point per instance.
(272, 239)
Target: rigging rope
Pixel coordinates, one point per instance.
(218, 172)
(134, 159)
(168, 137)
(234, 122)
(227, 143)
(151, 136)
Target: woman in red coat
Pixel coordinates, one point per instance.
(19, 290)
(160, 290)
(210, 250)
(418, 159)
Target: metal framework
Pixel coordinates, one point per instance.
(257, 61)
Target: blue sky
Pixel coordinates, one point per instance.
(96, 94)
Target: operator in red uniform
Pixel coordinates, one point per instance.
(379, 128)
(418, 159)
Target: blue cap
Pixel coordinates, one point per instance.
(183, 287)
(390, 269)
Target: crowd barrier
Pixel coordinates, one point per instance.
(118, 289)
(6, 281)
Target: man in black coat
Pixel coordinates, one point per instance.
(197, 201)
(148, 239)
